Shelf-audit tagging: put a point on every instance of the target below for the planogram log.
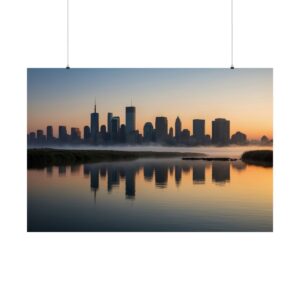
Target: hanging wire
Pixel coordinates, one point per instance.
(68, 33)
(232, 67)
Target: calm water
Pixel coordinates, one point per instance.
(151, 195)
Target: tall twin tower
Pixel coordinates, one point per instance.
(113, 127)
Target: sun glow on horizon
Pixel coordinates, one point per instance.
(66, 97)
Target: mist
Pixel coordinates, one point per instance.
(211, 151)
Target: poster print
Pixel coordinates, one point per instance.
(150, 150)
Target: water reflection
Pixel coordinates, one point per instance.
(220, 172)
(160, 173)
(163, 194)
(62, 170)
(199, 173)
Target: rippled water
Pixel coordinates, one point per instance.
(151, 195)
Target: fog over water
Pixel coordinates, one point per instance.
(212, 151)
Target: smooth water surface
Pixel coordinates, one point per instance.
(151, 195)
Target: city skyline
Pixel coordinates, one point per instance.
(244, 96)
(113, 132)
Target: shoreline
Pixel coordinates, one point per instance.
(45, 157)
(38, 158)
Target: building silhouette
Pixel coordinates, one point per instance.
(75, 135)
(220, 131)
(185, 136)
(109, 117)
(148, 132)
(114, 132)
(94, 125)
(62, 134)
(177, 129)
(32, 138)
(199, 130)
(49, 131)
(122, 134)
(161, 128)
(115, 127)
(130, 119)
(265, 140)
(86, 133)
(239, 138)
(41, 138)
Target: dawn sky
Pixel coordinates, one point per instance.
(66, 97)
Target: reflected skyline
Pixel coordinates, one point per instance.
(157, 173)
(151, 195)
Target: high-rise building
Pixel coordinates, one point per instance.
(75, 134)
(49, 133)
(148, 132)
(109, 117)
(171, 132)
(130, 119)
(177, 128)
(161, 128)
(220, 131)
(115, 127)
(32, 138)
(199, 130)
(62, 134)
(122, 133)
(86, 133)
(94, 125)
(185, 135)
(40, 136)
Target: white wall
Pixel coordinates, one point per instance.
(156, 33)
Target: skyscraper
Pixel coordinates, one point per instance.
(185, 135)
(49, 134)
(32, 138)
(41, 138)
(94, 125)
(148, 132)
(86, 133)
(177, 128)
(220, 131)
(62, 134)
(199, 130)
(75, 134)
(115, 127)
(109, 117)
(161, 128)
(122, 133)
(130, 119)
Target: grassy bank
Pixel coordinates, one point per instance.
(258, 157)
(40, 158)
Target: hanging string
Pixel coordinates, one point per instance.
(68, 33)
(232, 67)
